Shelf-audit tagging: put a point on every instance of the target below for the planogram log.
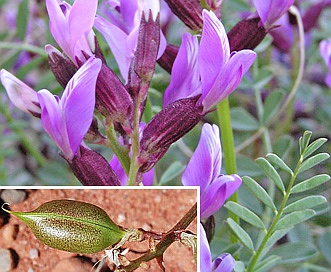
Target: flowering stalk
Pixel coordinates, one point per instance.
(224, 119)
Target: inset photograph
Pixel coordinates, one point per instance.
(94, 230)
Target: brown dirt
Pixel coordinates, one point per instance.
(151, 209)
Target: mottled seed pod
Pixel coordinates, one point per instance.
(72, 226)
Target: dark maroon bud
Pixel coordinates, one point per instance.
(247, 34)
(62, 67)
(310, 18)
(92, 169)
(168, 126)
(188, 11)
(143, 63)
(112, 98)
(98, 53)
(168, 58)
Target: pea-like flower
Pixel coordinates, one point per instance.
(204, 170)
(67, 120)
(223, 263)
(71, 26)
(219, 70)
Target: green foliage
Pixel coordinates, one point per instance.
(289, 213)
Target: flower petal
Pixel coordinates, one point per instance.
(205, 164)
(215, 194)
(205, 255)
(229, 78)
(185, 72)
(78, 101)
(117, 41)
(81, 20)
(59, 26)
(223, 263)
(20, 94)
(53, 121)
(214, 50)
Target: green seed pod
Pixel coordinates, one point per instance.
(72, 226)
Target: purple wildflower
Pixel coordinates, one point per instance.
(204, 170)
(67, 120)
(219, 70)
(325, 50)
(270, 11)
(121, 30)
(223, 263)
(71, 26)
(20, 94)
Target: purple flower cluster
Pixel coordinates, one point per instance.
(205, 69)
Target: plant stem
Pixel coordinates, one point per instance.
(165, 242)
(135, 146)
(295, 87)
(224, 119)
(23, 47)
(271, 229)
(120, 152)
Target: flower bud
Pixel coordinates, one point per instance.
(62, 67)
(72, 226)
(168, 58)
(188, 11)
(168, 126)
(143, 63)
(112, 98)
(247, 34)
(91, 168)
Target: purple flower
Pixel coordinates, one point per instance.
(71, 26)
(325, 50)
(270, 11)
(223, 263)
(219, 70)
(67, 120)
(20, 94)
(121, 30)
(204, 170)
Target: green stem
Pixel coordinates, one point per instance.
(31, 149)
(279, 214)
(295, 87)
(224, 119)
(120, 152)
(23, 47)
(135, 147)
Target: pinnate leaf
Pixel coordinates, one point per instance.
(294, 218)
(305, 203)
(242, 235)
(313, 161)
(245, 214)
(259, 192)
(310, 183)
(271, 173)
